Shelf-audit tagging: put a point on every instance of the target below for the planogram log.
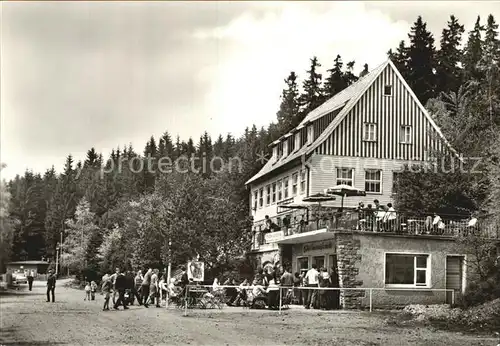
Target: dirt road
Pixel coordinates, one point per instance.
(27, 319)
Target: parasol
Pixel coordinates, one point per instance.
(344, 191)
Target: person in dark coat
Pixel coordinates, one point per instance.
(131, 286)
(334, 301)
(120, 286)
(51, 286)
(30, 280)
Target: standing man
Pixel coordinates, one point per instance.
(120, 286)
(145, 287)
(312, 280)
(138, 283)
(131, 286)
(51, 286)
(113, 280)
(153, 288)
(30, 280)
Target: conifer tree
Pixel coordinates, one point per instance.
(312, 96)
(289, 108)
(349, 76)
(335, 82)
(421, 61)
(400, 58)
(473, 51)
(491, 45)
(448, 71)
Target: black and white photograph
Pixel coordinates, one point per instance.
(250, 173)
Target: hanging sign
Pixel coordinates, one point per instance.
(322, 245)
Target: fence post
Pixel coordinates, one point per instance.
(371, 304)
(280, 301)
(186, 301)
(452, 297)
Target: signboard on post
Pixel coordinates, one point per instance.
(196, 271)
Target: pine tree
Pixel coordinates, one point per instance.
(421, 61)
(311, 97)
(289, 108)
(349, 76)
(400, 59)
(92, 159)
(473, 51)
(335, 82)
(448, 71)
(491, 45)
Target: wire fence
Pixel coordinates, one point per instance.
(193, 295)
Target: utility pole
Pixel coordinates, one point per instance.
(57, 259)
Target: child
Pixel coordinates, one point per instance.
(87, 291)
(106, 290)
(93, 289)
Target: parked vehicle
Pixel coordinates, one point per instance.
(19, 278)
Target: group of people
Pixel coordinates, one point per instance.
(148, 289)
(302, 288)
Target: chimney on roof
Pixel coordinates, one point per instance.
(364, 72)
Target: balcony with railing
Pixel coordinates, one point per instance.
(303, 226)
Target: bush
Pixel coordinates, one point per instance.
(483, 291)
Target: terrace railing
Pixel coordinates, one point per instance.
(403, 223)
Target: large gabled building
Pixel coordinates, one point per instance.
(362, 137)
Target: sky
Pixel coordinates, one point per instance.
(76, 75)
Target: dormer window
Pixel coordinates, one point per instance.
(310, 134)
(285, 147)
(297, 140)
(275, 153)
(388, 90)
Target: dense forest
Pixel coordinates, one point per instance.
(131, 217)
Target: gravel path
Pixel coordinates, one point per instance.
(27, 319)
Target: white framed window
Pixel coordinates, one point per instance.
(407, 270)
(303, 178)
(405, 134)
(303, 264)
(285, 188)
(369, 132)
(261, 197)
(285, 147)
(280, 190)
(297, 141)
(388, 90)
(255, 199)
(395, 182)
(373, 180)
(268, 195)
(273, 200)
(310, 134)
(280, 150)
(345, 176)
(275, 153)
(295, 184)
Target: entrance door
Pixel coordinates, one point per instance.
(332, 262)
(319, 261)
(302, 265)
(454, 276)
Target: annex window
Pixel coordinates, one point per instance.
(261, 197)
(297, 141)
(295, 182)
(388, 90)
(373, 181)
(345, 176)
(285, 188)
(310, 134)
(370, 132)
(303, 181)
(406, 134)
(395, 181)
(255, 199)
(268, 195)
(280, 190)
(273, 200)
(407, 270)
